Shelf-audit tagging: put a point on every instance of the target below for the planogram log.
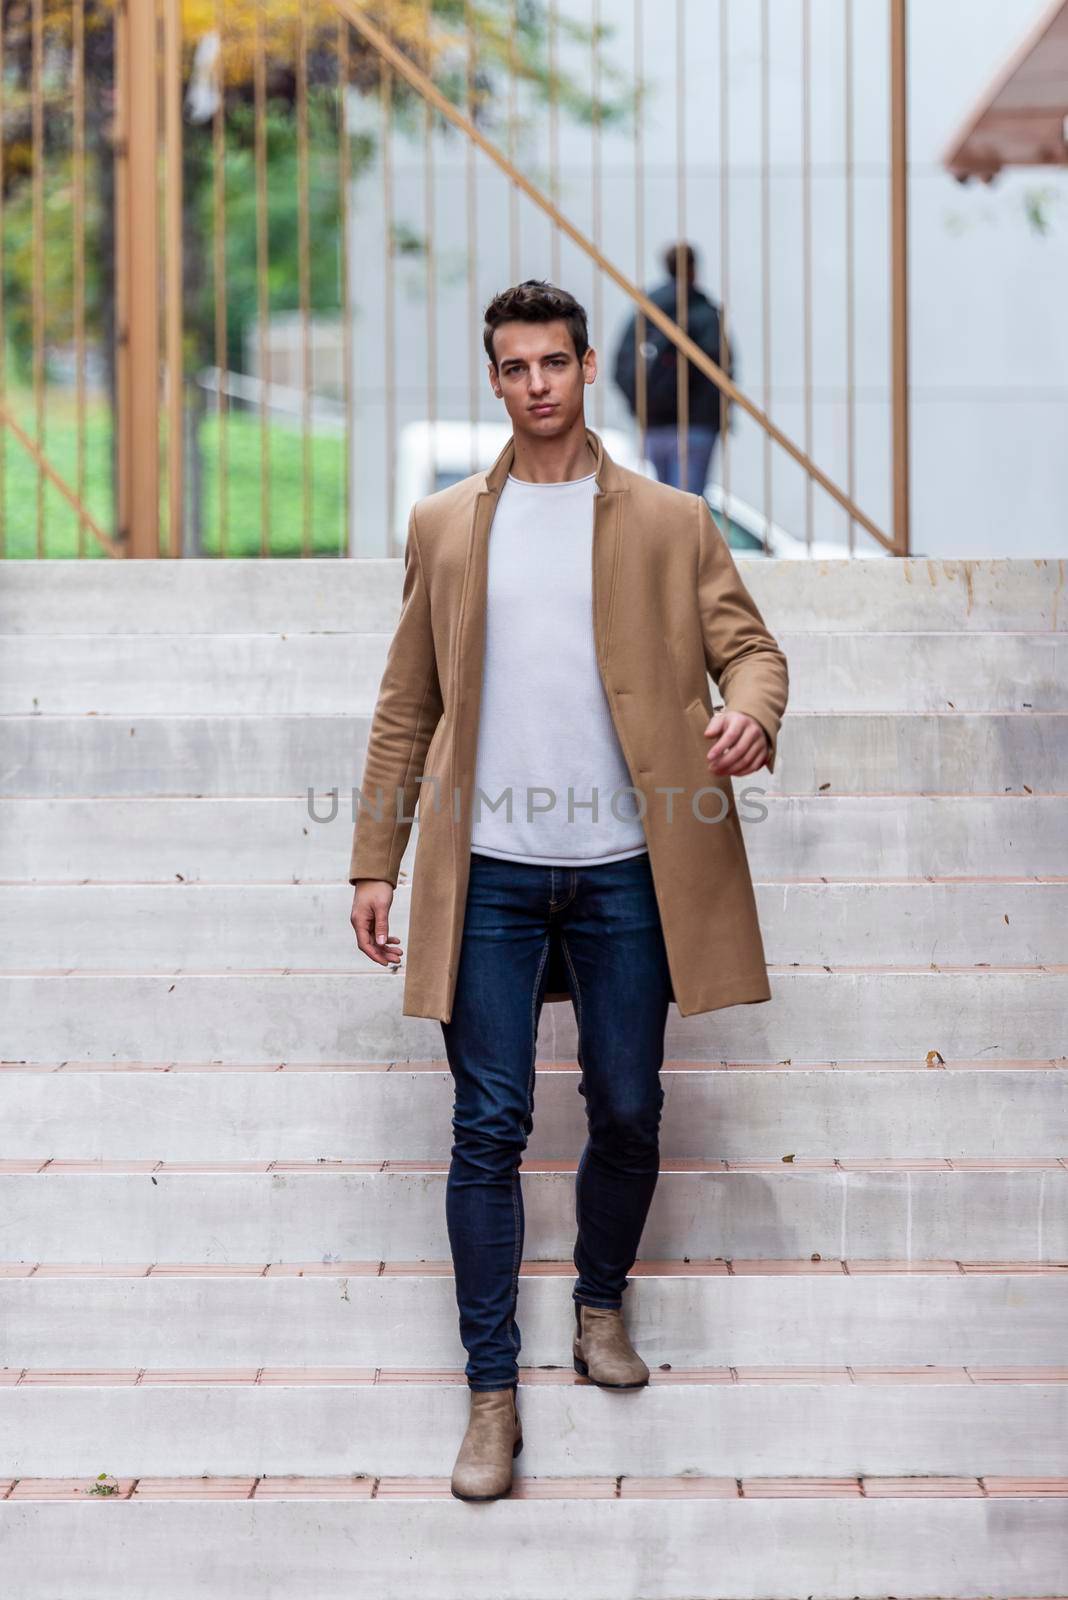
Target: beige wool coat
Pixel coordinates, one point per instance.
(669, 608)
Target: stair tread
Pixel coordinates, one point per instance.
(604, 1488)
(440, 1065)
(717, 1268)
(554, 1377)
(46, 1165)
(350, 974)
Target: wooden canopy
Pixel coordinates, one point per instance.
(1021, 120)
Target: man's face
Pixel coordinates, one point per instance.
(539, 377)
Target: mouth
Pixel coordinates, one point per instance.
(542, 410)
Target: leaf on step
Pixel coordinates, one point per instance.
(823, 786)
(788, 1159)
(934, 1059)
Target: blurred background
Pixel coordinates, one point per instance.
(246, 244)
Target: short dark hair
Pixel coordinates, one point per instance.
(535, 300)
(671, 258)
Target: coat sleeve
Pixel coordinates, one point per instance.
(407, 711)
(742, 656)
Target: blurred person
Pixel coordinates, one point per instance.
(559, 617)
(660, 360)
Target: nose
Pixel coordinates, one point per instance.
(538, 383)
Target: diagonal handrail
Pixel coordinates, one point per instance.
(85, 517)
(428, 89)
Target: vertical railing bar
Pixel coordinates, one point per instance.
(38, 291)
(765, 248)
(388, 300)
(260, 120)
(640, 385)
(120, 34)
(513, 190)
(850, 243)
(899, 269)
(554, 134)
(78, 200)
(172, 125)
(596, 192)
(472, 239)
(304, 287)
(806, 250)
(347, 543)
(139, 330)
(724, 246)
(682, 285)
(222, 360)
(3, 313)
(430, 228)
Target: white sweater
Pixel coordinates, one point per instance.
(544, 722)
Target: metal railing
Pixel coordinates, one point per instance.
(218, 212)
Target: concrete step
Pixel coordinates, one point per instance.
(947, 752)
(285, 1210)
(847, 1014)
(408, 1539)
(163, 928)
(276, 840)
(690, 1313)
(320, 673)
(371, 1110)
(363, 596)
(738, 1423)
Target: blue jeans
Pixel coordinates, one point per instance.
(662, 448)
(607, 922)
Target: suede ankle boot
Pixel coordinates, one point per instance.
(494, 1437)
(603, 1352)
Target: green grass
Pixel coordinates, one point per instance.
(243, 501)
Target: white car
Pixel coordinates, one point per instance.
(432, 455)
(745, 529)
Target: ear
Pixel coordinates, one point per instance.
(495, 382)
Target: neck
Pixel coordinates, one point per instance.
(558, 460)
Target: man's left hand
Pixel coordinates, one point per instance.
(739, 744)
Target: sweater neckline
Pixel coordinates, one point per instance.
(560, 483)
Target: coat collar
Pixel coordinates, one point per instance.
(608, 475)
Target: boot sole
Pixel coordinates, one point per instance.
(584, 1372)
(483, 1499)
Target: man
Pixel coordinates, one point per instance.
(559, 670)
(659, 361)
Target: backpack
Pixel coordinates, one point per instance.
(661, 362)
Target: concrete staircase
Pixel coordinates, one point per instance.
(225, 1274)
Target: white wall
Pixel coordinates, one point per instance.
(989, 324)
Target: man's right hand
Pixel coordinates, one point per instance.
(370, 921)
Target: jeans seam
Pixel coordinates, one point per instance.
(574, 976)
(530, 1099)
(555, 905)
(577, 993)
